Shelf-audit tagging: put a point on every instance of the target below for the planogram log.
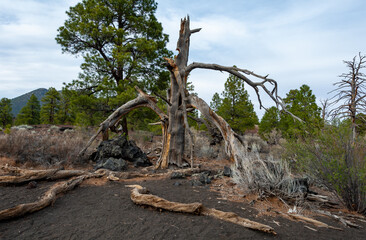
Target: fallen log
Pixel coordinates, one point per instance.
(314, 222)
(47, 199)
(345, 222)
(18, 175)
(140, 196)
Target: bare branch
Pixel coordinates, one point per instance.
(238, 72)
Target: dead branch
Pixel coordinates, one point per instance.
(47, 199)
(314, 222)
(340, 219)
(140, 196)
(18, 175)
(142, 100)
(238, 72)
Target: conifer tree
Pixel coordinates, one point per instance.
(30, 113)
(235, 106)
(6, 117)
(50, 107)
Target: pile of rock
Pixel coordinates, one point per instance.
(113, 154)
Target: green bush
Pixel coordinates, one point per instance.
(333, 158)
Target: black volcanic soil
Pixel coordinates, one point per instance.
(106, 212)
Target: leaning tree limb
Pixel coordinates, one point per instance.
(142, 100)
(140, 196)
(47, 199)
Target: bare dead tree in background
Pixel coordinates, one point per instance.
(351, 92)
(325, 104)
(179, 101)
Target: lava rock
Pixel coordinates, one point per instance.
(205, 177)
(227, 171)
(177, 184)
(120, 148)
(32, 184)
(112, 164)
(196, 183)
(177, 175)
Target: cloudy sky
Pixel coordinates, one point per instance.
(296, 42)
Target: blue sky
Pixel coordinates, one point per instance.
(295, 42)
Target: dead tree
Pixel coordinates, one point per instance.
(351, 92)
(175, 122)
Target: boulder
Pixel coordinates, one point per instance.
(112, 164)
(120, 148)
(227, 171)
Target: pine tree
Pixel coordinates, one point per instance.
(235, 106)
(122, 44)
(6, 117)
(269, 122)
(301, 103)
(30, 113)
(50, 107)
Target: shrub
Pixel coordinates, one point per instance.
(337, 161)
(41, 147)
(268, 178)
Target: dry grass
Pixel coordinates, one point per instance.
(44, 147)
(268, 178)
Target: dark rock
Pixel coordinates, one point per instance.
(112, 164)
(227, 171)
(196, 183)
(177, 184)
(32, 184)
(205, 177)
(177, 175)
(120, 148)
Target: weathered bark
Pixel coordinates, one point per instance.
(139, 195)
(47, 199)
(18, 175)
(233, 146)
(178, 120)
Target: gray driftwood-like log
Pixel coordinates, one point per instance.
(17, 175)
(47, 199)
(140, 196)
(175, 122)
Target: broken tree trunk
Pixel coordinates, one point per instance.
(140, 196)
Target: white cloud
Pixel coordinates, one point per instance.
(296, 42)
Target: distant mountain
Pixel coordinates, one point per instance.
(19, 102)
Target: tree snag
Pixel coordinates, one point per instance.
(179, 100)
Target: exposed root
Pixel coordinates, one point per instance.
(47, 199)
(139, 195)
(18, 175)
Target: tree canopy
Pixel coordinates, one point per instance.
(302, 103)
(50, 106)
(5, 112)
(269, 122)
(30, 113)
(122, 44)
(235, 106)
